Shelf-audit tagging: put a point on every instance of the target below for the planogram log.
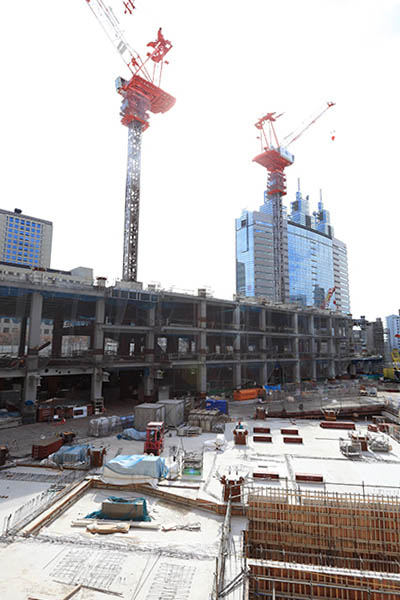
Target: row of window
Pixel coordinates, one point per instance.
(9, 258)
(21, 221)
(15, 329)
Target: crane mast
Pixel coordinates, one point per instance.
(275, 158)
(141, 94)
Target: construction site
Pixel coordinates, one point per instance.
(162, 445)
(159, 504)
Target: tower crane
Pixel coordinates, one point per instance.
(141, 94)
(275, 157)
(328, 297)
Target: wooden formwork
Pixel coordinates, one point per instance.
(277, 581)
(310, 527)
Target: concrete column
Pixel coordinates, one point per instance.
(202, 318)
(32, 377)
(263, 348)
(148, 380)
(152, 317)
(150, 346)
(148, 383)
(313, 349)
(35, 319)
(236, 317)
(202, 378)
(332, 369)
(124, 344)
(150, 335)
(238, 375)
(22, 336)
(263, 319)
(264, 372)
(331, 351)
(314, 369)
(202, 351)
(296, 347)
(56, 341)
(98, 350)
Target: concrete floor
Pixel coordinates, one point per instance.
(149, 563)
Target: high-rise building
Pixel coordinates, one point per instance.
(393, 329)
(311, 261)
(341, 276)
(375, 337)
(25, 240)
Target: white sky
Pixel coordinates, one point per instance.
(64, 149)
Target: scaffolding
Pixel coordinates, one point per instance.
(351, 531)
(276, 580)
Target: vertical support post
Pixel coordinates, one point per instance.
(313, 349)
(32, 359)
(132, 201)
(236, 347)
(296, 347)
(22, 337)
(331, 350)
(56, 341)
(202, 341)
(98, 349)
(149, 351)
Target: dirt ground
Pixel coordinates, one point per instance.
(20, 439)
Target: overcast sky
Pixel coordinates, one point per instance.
(64, 150)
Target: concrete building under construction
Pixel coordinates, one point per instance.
(132, 341)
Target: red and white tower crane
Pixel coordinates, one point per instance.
(275, 157)
(141, 94)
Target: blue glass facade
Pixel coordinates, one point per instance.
(312, 261)
(310, 265)
(254, 255)
(22, 241)
(245, 255)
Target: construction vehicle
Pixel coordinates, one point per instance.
(393, 373)
(141, 94)
(154, 443)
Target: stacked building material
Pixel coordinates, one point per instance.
(205, 419)
(43, 448)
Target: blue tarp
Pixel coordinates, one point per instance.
(138, 464)
(221, 405)
(272, 387)
(98, 514)
(132, 434)
(71, 454)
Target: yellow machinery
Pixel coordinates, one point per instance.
(393, 373)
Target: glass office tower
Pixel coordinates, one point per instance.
(314, 260)
(254, 255)
(25, 240)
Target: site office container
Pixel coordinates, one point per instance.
(146, 412)
(174, 412)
